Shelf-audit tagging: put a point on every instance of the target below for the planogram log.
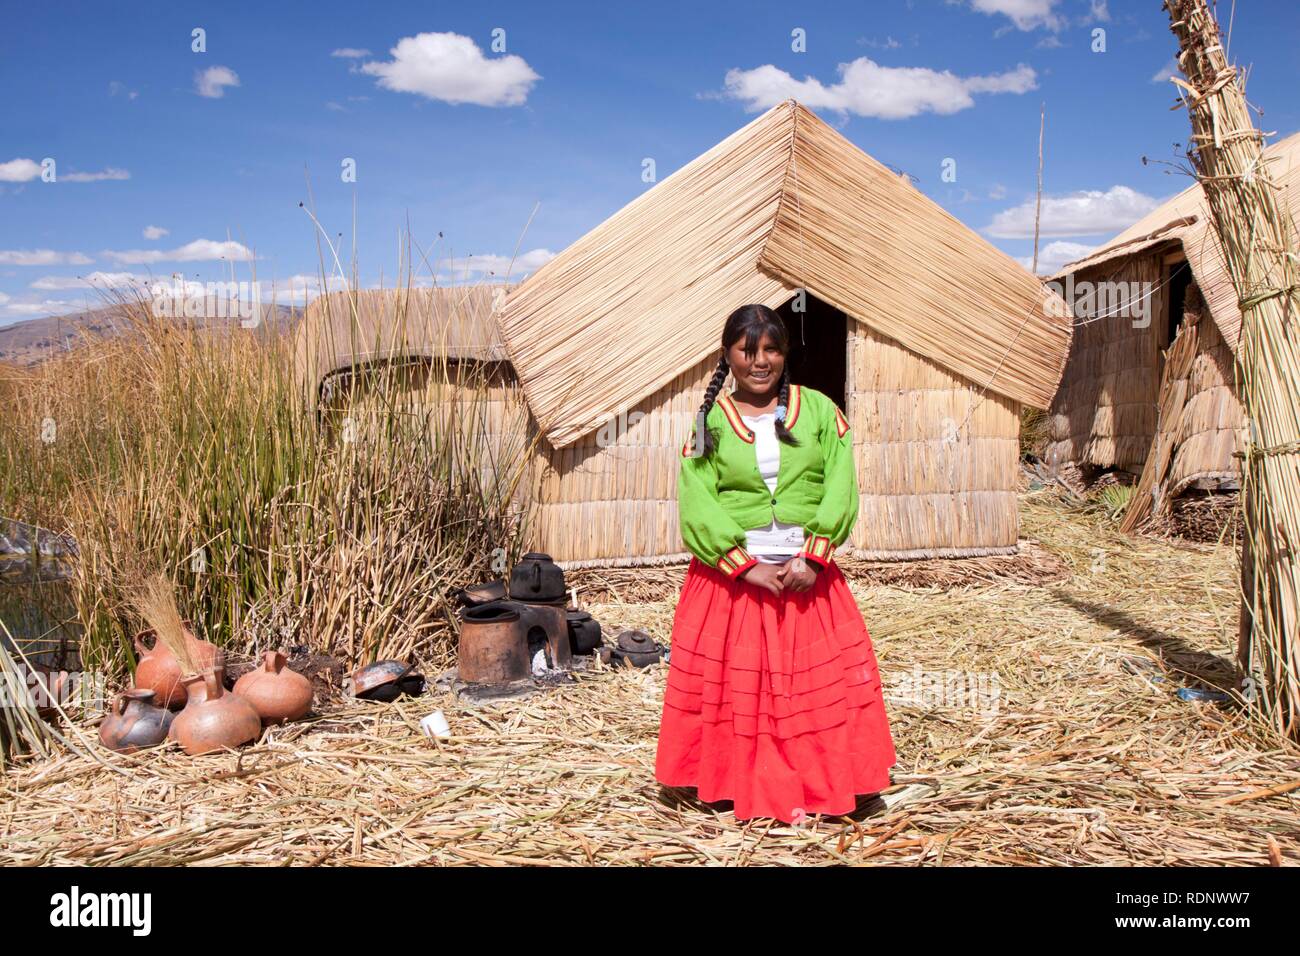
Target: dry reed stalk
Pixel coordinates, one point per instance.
(1151, 491)
(22, 731)
(1261, 252)
(155, 602)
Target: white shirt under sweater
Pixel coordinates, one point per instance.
(779, 542)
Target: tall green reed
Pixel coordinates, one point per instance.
(198, 452)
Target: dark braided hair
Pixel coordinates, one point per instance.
(751, 322)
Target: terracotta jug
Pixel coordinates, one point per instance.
(158, 670)
(276, 693)
(135, 723)
(213, 719)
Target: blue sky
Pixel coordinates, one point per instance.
(171, 160)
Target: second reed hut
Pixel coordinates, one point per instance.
(929, 338)
(1155, 387)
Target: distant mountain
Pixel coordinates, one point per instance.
(34, 340)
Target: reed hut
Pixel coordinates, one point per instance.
(928, 337)
(1161, 382)
(368, 356)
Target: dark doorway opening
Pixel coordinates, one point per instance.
(1177, 278)
(818, 346)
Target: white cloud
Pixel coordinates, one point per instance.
(297, 289)
(1084, 213)
(154, 232)
(213, 81)
(96, 280)
(1054, 255)
(1025, 14)
(42, 257)
(474, 268)
(1098, 11)
(866, 88)
(997, 191)
(350, 53)
(19, 170)
(25, 170)
(3, 298)
(48, 307)
(116, 88)
(200, 250)
(451, 68)
(108, 173)
(1165, 72)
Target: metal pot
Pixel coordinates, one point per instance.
(635, 648)
(584, 632)
(537, 578)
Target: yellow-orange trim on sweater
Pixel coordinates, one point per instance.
(792, 412)
(733, 418)
(841, 423)
(735, 560)
(818, 548)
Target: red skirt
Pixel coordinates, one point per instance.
(773, 702)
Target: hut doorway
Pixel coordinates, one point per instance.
(818, 346)
(1178, 276)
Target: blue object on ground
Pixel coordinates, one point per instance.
(1195, 693)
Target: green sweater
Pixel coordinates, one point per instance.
(721, 495)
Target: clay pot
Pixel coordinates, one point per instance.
(276, 693)
(482, 593)
(213, 719)
(386, 681)
(493, 645)
(158, 670)
(135, 723)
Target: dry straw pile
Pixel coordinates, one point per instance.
(1085, 756)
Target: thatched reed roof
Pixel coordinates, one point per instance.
(342, 330)
(1186, 219)
(784, 202)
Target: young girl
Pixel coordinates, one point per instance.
(773, 698)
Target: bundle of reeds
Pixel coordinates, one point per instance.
(155, 602)
(1260, 249)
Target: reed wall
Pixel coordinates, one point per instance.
(937, 460)
(1211, 426)
(1104, 413)
(937, 457)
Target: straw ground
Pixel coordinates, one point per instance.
(1087, 757)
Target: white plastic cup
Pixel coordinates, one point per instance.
(435, 725)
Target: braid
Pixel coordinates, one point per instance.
(782, 403)
(710, 395)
